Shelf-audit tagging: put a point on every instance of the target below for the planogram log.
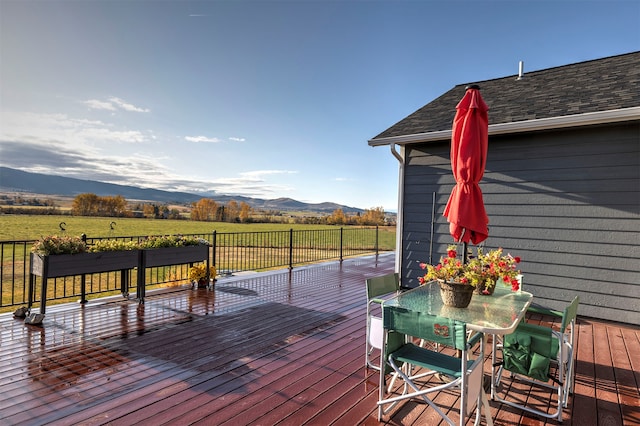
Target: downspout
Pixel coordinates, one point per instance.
(399, 215)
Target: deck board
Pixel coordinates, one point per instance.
(273, 348)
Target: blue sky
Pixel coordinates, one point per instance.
(264, 99)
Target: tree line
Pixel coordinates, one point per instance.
(208, 210)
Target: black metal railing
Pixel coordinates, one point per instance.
(230, 252)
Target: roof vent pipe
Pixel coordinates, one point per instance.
(520, 70)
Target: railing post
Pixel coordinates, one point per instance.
(290, 249)
(213, 251)
(341, 242)
(377, 246)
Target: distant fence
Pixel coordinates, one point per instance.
(230, 252)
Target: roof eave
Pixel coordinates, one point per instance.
(576, 120)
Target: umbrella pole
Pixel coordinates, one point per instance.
(465, 252)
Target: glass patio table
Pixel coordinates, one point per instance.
(496, 314)
(499, 313)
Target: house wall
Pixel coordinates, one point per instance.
(567, 202)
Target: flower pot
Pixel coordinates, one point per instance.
(484, 290)
(203, 283)
(456, 295)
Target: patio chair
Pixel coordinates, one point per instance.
(377, 287)
(532, 350)
(420, 367)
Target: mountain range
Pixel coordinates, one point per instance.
(13, 180)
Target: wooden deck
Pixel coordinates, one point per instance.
(274, 348)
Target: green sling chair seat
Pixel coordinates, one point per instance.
(413, 363)
(377, 287)
(530, 351)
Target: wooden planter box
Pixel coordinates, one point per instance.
(152, 258)
(65, 265)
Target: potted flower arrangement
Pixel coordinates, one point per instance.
(487, 269)
(200, 275)
(480, 273)
(455, 288)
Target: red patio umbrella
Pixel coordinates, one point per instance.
(465, 210)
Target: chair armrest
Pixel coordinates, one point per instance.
(537, 309)
(474, 338)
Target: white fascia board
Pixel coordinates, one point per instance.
(586, 119)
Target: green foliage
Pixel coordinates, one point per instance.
(113, 245)
(169, 241)
(54, 244)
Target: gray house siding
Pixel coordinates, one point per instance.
(566, 201)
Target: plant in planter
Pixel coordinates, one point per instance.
(450, 269)
(54, 244)
(200, 275)
(455, 288)
(168, 250)
(481, 273)
(113, 245)
(165, 241)
(61, 256)
(486, 269)
(56, 256)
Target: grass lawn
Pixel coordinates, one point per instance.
(32, 227)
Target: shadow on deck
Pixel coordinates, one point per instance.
(272, 348)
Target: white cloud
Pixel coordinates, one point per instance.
(251, 184)
(103, 134)
(207, 139)
(61, 144)
(256, 174)
(44, 129)
(127, 106)
(96, 104)
(200, 139)
(113, 104)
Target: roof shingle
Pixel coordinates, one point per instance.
(593, 86)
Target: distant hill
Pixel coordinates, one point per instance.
(12, 180)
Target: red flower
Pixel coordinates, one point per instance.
(515, 285)
(452, 253)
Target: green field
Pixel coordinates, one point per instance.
(32, 227)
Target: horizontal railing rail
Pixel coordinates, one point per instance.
(230, 252)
